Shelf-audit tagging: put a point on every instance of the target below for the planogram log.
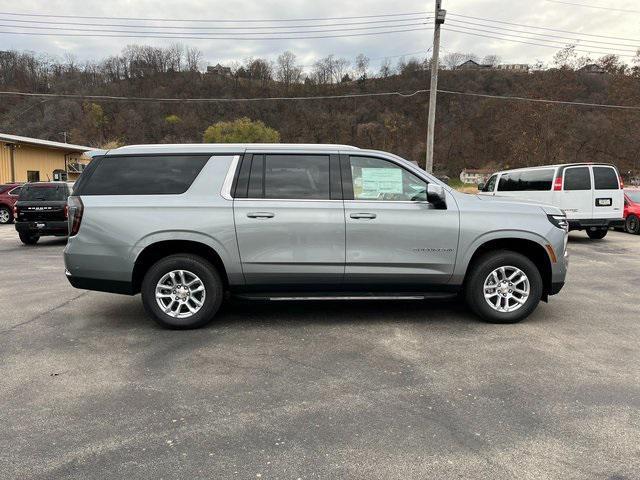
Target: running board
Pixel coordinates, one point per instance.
(283, 297)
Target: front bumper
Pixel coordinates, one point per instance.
(44, 228)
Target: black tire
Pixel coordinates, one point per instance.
(597, 233)
(632, 225)
(28, 238)
(481, 268)
(6, 215)
(211, 281)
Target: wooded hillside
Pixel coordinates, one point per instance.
(471, 132)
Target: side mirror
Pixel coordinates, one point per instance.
(481, 186)
(436, 196)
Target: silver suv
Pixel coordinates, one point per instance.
(186, 224)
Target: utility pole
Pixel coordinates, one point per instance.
(439, 20)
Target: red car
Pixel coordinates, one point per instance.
(8, 197)
(632, 210)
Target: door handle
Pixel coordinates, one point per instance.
(368, 216)
(260, 215)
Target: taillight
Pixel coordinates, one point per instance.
(621, 183)
(557, 184)
(66, 211)
(15, 211)
(75, 209)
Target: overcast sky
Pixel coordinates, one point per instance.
(544, 13)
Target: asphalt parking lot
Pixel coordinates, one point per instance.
(90, 388)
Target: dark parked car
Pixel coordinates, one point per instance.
(8, 197)
(41, 210)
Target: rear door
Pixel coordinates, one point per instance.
(395, 238)
(608, 197)
(576, 197)
(289, 218)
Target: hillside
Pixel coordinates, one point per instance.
(471, 132)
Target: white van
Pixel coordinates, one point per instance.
(590, 194)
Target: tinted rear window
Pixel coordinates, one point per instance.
(605, 178)
(526, 181)
(296, 176)
(44, 193)
(148, 175)
(577, 178)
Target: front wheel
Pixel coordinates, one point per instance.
(503, 287)
(29, 238)
(632, 224)
(597, 233)
(182, 292)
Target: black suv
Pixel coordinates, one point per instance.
(41, 210)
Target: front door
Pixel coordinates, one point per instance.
(395, 239)
(289, 218)
(576, 197)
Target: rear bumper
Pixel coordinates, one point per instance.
(57, 228)
(109, 286)
(582, 224)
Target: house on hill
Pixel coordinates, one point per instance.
(219, 70)
(474, 176)
(592, 68)
(473, 65)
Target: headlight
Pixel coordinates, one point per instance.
(559, 221)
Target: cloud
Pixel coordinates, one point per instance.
(538, 12)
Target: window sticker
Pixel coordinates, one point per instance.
(377, 181)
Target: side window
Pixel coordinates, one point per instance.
(491, 184)
(528, 180)
(296, 177)
(605, 178)
(377, 179)
(577, 178)
(145, 175)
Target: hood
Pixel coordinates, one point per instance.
(546, 208)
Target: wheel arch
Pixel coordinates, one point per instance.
(530, 248)
(163, 248)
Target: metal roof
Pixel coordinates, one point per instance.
(43, 143)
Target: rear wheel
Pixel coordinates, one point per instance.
(632, 224)
(597, 233)
(182, 291)
(29, 238)
(503, 287)
(5, 216)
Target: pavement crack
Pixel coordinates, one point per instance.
(42, 314)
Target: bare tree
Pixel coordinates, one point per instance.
(454, 59)
(193, 58)
(287, 71)
(493, 60)
(385, 68)
(362, 65)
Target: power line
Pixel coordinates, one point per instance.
(204, 100)
(472, 29)
(253, 27)
(599, 7)
(181, 34)
(216, 20)
(576, 39)
(322, 97)
(186, 37)
(533, 43)
(544, 28)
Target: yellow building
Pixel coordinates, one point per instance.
(24, 159)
